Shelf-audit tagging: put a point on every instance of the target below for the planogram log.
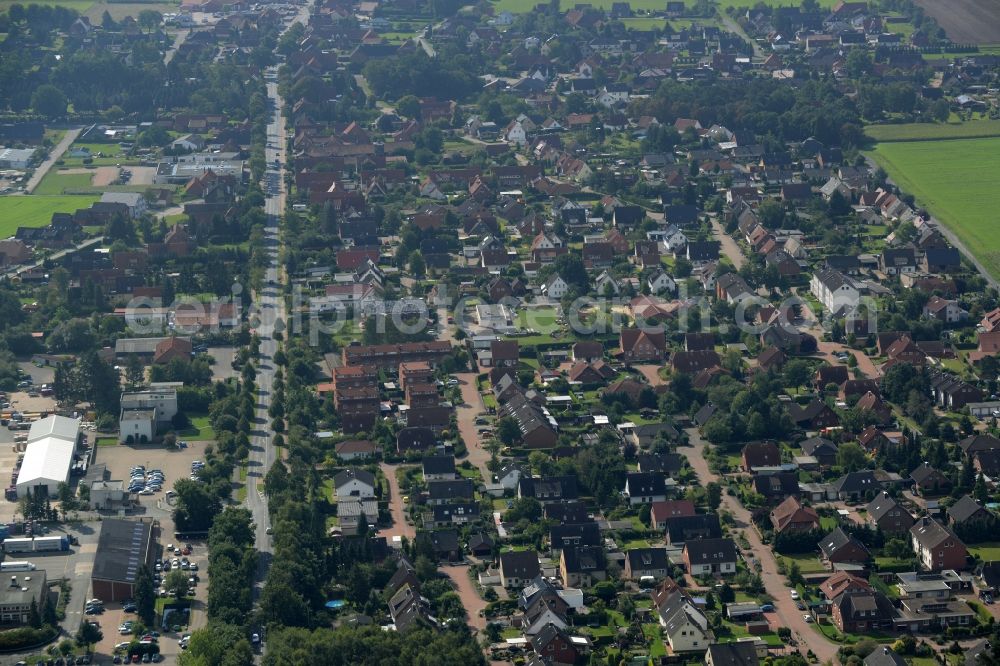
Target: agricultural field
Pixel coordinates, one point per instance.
(79, 5)
(522, 6)
(967, 21)
(956, 181)
(120, 10)
(36, 210)
(974, 129)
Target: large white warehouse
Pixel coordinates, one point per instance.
(49, 456)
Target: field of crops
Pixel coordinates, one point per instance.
(520, 6)
(974, 129)
(36, 210)
(956, 181)
(79, 5)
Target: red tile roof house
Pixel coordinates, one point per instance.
(171, 348)
(791, 516)
(660, 512)
(639, 345)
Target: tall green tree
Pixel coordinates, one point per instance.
(49, 101)
(145, 596)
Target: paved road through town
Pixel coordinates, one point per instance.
(54, 155)
(270, 307)
(774, 583)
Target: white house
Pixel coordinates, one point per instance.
(685, 627)
(188, 142)
(163, 400)
(515, 133)
(605, 281)
(135, 202)
(338, 296)
(836, 291)
(613, 94)
(555, 288)
(645, 488)
(137, 425)
(660, 281)
(547, 241)
(354, 483)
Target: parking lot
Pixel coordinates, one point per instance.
(175, 465)
(222, 369)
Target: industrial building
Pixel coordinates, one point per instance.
(16, 158)
(49, 455)
(16, 597)
(123, 547)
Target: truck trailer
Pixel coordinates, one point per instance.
(36, 545)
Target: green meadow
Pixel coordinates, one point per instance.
(955, 180)
(36, 210)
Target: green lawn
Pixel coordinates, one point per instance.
(652, 634)
(36, 210)
(808, 562)
(988, 551)
(974, 129)
(541, 319)
(107, 441)
(200, 430)
(241, 492)
(63, 183)
(956, 181)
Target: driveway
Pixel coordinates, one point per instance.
(651, 373)
(774, 583)
(459, 575)
(466, 415)
(729, 247)
(399, 527)
(865, 364)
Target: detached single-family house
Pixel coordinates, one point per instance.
(888, 515)
(792, 516)
(518, 568)
(706, 557)
(354, 483)
(937, 547)
(645, 488)
(646, 562)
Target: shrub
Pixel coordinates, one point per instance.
(23, 637)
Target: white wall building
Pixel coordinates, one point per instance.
(162, 399)
(137, 425)
(836, 291)
(61, 427)
(47, 463)
(136, 202)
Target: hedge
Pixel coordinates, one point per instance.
(25, 637)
